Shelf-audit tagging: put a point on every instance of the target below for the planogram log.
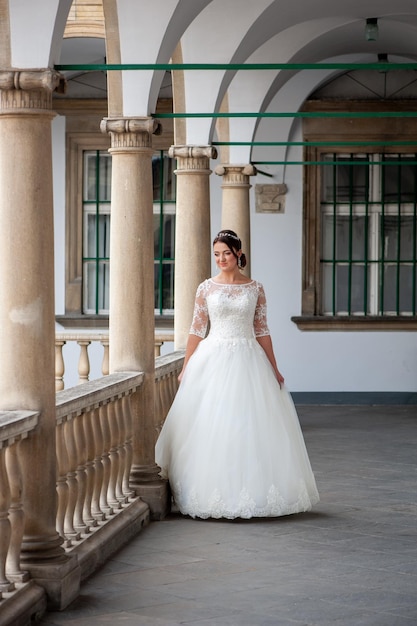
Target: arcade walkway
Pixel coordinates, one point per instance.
(351, 562)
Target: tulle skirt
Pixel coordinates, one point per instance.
(231, 445)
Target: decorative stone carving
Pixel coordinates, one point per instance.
(235, 175)
(28, 90)
(192, 157)
(30, 79)
(131, 132)
(270, 198)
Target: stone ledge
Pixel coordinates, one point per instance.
(23, 606)
(95, 548)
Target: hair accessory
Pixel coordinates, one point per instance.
(224, 234)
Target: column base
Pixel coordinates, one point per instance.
(60, 580)
(157, 496)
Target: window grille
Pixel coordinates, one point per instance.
(368, 234)
(96, 231)
(164, 231)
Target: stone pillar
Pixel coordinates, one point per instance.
(27, 315)
(235, 203)
(192, 234)
(131, 318)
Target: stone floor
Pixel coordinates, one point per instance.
(352, 561)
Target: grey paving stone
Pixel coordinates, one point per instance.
(352, 561)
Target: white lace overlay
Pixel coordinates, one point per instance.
(246, 507)
(229, 308)
(231, 445)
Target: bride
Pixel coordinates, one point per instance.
(231, 445)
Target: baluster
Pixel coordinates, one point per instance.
(61, 484)
(105, 364)
(89, 468)
(16, 516)
(69, 437)
(127, 415)
(158, 405)
(5, 530)
(105, 459)
(59, 365)
(165, 398)
(114, 456)
(121, 450)
(80, 443)
(97, 513)
(158, 345)
(84, 361)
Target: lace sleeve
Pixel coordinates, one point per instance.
(200, 315)
(260, 322)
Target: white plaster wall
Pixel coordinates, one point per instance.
(310, 361)
(315, 361)
(58, 174)
(71, 350)
(36, 30)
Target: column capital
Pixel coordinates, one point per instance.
(235, 175)
(130, 132)
(191, 158)
(28, 90)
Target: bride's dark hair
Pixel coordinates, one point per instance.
(233, 242)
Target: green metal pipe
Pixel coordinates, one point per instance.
(326, 114)
(314, 143)
(108, 67)
(338, 162)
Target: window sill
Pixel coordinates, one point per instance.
(355, 323)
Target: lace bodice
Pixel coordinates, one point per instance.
(234, 311)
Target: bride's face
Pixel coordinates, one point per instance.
(225, 259)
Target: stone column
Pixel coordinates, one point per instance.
(27, 315)
(235, 203)
(192, 234)
(131, 319)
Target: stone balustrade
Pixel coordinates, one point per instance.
(167, 369)
(94, 452)
(14, 427)
(84, 340)
(97, 511)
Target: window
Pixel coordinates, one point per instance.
(359, 216)
(368, 234)
(164, 231)
(96, 231)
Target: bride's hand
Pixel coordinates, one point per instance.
(280, 378)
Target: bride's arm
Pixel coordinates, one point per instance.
(199, 325)
(266, 343)
(262, 332)
(192, 343)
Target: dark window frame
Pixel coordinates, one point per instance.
(319, 130)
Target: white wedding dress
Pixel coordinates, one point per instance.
(231, 445)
